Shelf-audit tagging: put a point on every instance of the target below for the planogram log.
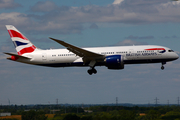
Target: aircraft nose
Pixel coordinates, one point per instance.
(176, 56)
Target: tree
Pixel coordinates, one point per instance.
(88, 117)
(152, 115)
(33, 115)
(71, 117)
(127, 115)
(172, 115)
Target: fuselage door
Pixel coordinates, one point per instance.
(131, 52)
(44, 57)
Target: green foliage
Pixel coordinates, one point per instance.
(99, 112)
(113, 115)
(33, 115)
(74, 110)
(71, 117)
(152, 115)
(172, 115)
(87, 117)
(128, 113)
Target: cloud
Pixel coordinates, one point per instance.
(117, 1)
(93, 26)
(15, 18)
(2, 57)
(9, 4)
(171, 37)
(171, 3)
(137, 37)
(42, 6)
(5, 48)
(130, 42)
(67, 20)
(39, 81)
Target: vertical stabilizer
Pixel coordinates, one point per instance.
(22, 44)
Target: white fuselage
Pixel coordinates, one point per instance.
(130, 54)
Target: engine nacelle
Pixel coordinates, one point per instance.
(114, 62)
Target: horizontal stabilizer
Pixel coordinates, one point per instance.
(18, 56)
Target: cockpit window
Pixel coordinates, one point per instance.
(170, 51)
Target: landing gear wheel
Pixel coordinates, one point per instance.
(94, 71)
(90, 71)
(162, 67)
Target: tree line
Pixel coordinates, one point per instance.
(102, 113)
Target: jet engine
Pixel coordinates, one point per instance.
(114, 62)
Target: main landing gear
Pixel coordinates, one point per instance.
(162, 67)
(91, 71)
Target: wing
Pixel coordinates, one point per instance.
(87, 56)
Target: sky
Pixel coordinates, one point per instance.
(90, 23)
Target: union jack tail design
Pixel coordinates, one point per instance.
(22, 44)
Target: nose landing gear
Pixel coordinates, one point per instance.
(162, 67)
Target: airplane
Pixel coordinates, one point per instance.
(114, 57)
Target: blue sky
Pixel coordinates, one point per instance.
(85, 24)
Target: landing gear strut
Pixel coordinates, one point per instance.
(162, 67)
(91, 71)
